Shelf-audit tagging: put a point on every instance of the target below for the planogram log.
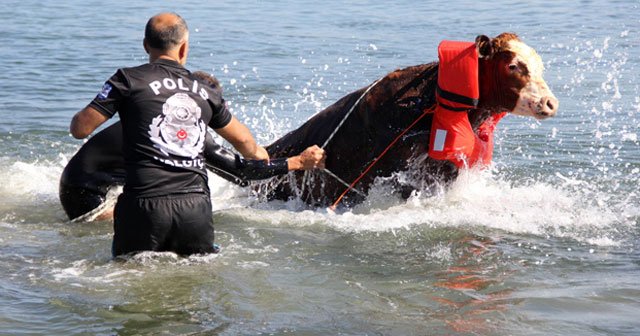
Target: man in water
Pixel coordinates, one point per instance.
(164, 111)
(96, 173)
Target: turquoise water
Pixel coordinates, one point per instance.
(546, 243)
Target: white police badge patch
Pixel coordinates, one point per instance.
(179, 129)
(106, 88)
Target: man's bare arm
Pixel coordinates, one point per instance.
(241, 139)
(85, 122)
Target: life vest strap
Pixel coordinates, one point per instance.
(454, 109)
(456, 98)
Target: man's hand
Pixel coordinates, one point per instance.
(311, 158)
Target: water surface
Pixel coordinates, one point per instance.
(546, 243)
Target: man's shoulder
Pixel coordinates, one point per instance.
(133, 74)
(136, 68)
(156, 66)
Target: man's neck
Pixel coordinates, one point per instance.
(153, 58)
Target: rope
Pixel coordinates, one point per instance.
(343, 182)
(349, 113)
(401, 92)
(336, 131)
(335, 204)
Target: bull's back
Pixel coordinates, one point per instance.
(316, 130)
(390, 106)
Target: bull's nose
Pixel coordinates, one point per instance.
(549, 106)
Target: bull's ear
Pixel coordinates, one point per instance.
(485, 48)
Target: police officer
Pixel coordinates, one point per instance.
(94, 176)
(164, 110)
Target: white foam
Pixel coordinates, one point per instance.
(83, 273)
(225, 195)
(475, 199)
(22, 179)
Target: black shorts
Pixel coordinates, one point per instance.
(78, 201)
(181, 223)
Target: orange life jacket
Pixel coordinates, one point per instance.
(458, 91)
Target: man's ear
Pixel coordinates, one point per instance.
(483, 44)
(145, 45)
(183, 51)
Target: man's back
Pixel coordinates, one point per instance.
(164, 112)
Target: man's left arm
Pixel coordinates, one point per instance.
(239, 136)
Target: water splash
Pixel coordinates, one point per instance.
(476, 200)
(30, 182)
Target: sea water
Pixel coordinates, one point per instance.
(544, 243)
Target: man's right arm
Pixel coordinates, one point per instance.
(101, 108)
(239, 136)
(85, 122)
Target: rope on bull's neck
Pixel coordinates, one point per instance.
(335, 130)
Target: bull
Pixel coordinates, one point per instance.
(359, 127)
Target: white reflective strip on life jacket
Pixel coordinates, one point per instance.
(438, 143)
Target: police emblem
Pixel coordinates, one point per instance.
(179, 129)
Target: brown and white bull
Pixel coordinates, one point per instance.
(510, 79)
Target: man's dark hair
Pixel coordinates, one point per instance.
(165, 37)
(207, 79)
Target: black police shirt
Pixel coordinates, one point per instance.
(164, 112)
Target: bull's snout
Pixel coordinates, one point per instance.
(548, 108)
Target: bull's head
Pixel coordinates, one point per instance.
(511, 78)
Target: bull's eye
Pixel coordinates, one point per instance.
(513, 67)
